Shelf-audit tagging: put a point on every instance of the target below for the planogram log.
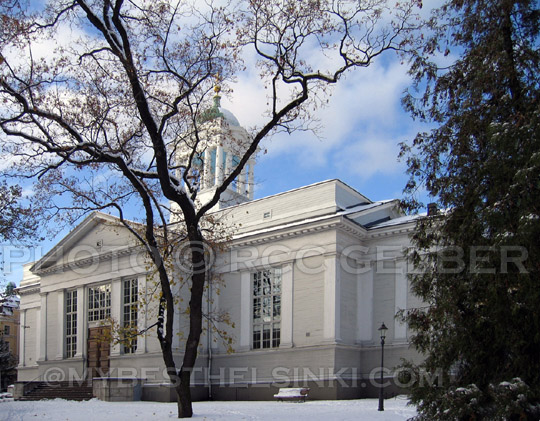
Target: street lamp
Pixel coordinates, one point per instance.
(383, 330)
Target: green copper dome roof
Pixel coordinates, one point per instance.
(217, 111)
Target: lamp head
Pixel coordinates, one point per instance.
(383, 330)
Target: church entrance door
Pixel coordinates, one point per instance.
(98, 351)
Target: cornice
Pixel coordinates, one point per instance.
(400, 229)
(338, 222)
(102, 257)
(29, 291)
(282, 233)
(351, 227)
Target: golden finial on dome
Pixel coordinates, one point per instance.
(217, 87)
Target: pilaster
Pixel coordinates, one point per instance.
(43, 327)
(245, 310)
(287, 299)
(401, 288)
(116, 310)
(61, 324)
(22, 336)
(141, 315)
(364, 321)
(332, 302)
(81, 322)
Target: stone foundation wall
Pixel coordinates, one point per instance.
(116, 389)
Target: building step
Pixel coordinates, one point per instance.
(60, 390)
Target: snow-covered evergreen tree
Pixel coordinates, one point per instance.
(480, 257)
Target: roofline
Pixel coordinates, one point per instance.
(408, 225)
(344, 214)
(331, 180)
(353, 189)
(379, 205)
(91, 218)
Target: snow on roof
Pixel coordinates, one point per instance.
(353, 210)
(365, 206)
(397, 221)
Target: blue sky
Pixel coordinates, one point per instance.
(358, 143)
(361, 127)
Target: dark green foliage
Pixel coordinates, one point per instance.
(10, 289)
(8, 365)
(480, 257)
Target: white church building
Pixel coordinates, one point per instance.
(308, 278)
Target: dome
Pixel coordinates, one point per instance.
(229, 117)
(216, 111)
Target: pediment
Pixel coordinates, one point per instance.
(96, 235)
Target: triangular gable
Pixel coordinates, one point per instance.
(96, 227)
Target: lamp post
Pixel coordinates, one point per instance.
(383, 330)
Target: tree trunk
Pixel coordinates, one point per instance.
(198, 277)
(183, 392)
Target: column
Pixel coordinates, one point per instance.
(287, 299)
(116, 310)
(400, 291)
(141, 315)
(214, 296)
(206, 178)
(176, 341)
(38, 336)
(219, 165)
(22, 335)
(177, 290)
(245, 310)
(61, 324)
(364, 321)
(242, 183)
(332, 293)
(251, 180)
(228, 163)
(43, 328)
(81, 322)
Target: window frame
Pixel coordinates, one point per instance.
(130, 311)
(266, 302)
(102, 311)
(71, 323)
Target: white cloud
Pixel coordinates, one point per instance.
(373, 155)
(363, 108)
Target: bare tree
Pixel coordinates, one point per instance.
(18, 221)
(90, 88)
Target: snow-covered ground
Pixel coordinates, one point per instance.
(61, 410)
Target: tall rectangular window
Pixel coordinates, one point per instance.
(71, 323)
(131, 298)
(266, 308)
(99, 303)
